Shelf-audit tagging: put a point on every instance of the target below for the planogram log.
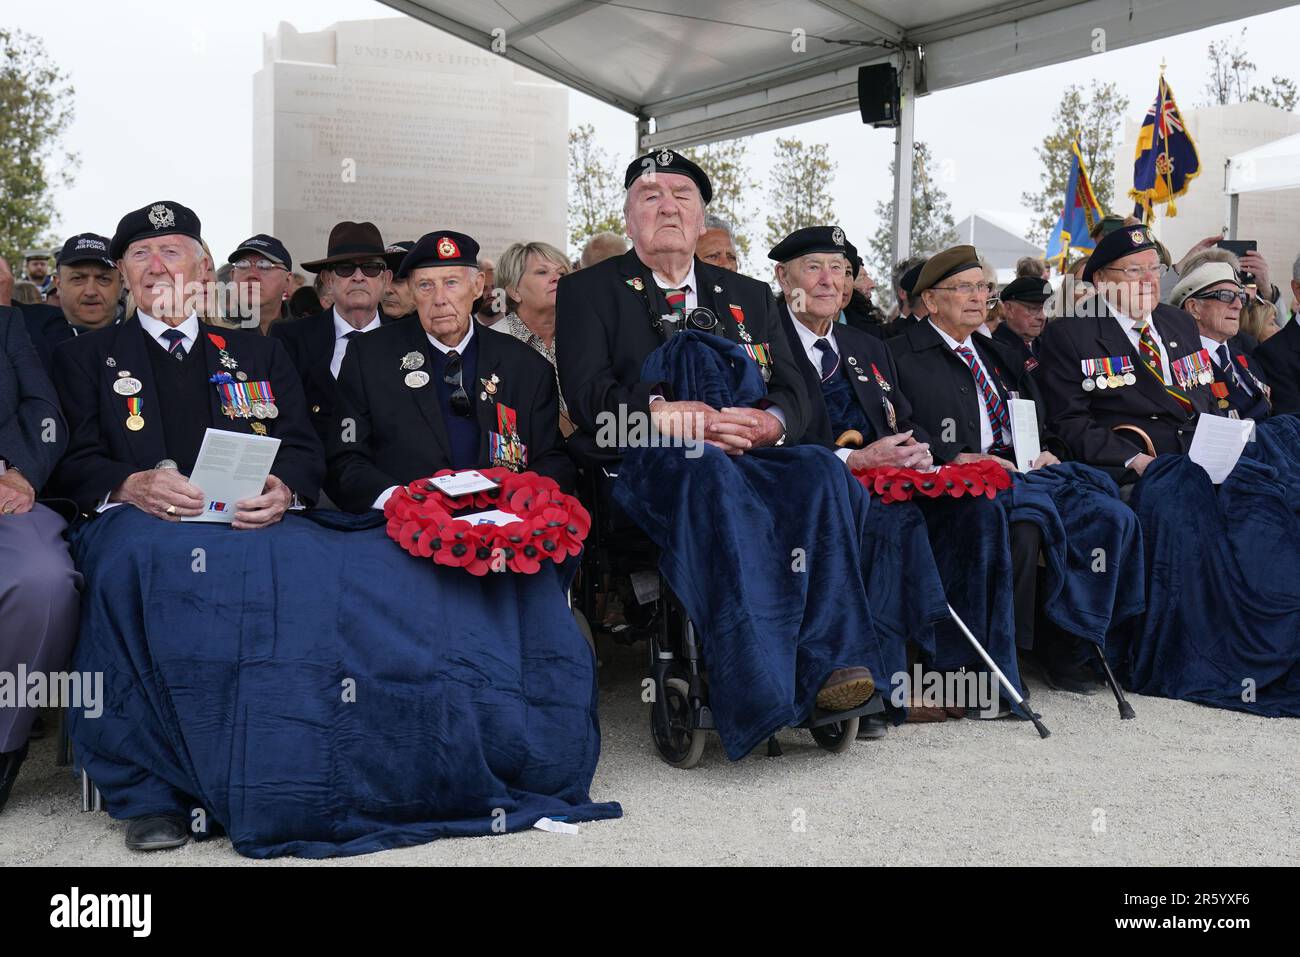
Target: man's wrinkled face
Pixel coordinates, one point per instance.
(357, 292)
(716, 247)
(1025, 319)
(165, 275)
(444, 296)
(959, 301)
(1132, 283)
(1217, 320)
(88, 293)
(665, 214)
(814, 284)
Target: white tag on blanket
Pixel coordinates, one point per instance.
(645, 585)
(555, 827)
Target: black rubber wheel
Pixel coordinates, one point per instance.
(679, 744)
(836, 736)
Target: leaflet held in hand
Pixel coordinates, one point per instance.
(231, 467)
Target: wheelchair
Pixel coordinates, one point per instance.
(680, 716)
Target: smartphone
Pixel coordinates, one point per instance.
(1238, 247)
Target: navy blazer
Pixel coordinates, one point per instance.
(33, 433)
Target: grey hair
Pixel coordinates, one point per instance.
(1212, 255)
(717, 222)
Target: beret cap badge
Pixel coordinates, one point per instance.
(665, 157)
(837, 236)
(447, 248)
(1138, 237)
(161, 216)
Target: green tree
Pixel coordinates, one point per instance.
(1095, 115)
(36, 108)
(1232, 74)
(595, 190)
(799, 189)
(727, 166)
(932, 225)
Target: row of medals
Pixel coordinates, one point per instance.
(1109, 381)
(128, 385)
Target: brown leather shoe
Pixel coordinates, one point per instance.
(846, 688)
(925, 714)
(953, 711)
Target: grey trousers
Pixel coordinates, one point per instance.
(40, 607)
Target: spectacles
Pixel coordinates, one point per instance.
(1137, 272)
(344, 270)
(1225, 296)
(261, 265)
(966, 288)
(451, 375)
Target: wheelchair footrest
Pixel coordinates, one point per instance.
(873, 705)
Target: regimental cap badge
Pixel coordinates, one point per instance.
(837, 236)
(1138, 236)
(665, 158)
(161, 216)
(412, 360)
(447, 248)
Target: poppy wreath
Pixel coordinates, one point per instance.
(551, 526)
(984, 477)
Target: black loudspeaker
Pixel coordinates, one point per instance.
(878, 94)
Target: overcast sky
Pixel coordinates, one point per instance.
(164, 109)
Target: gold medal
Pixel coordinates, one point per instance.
(259, 428)
(1114, 381)
(135, 422)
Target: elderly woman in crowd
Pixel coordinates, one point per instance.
(530, 273)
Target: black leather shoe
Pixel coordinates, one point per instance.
(156, 832)
(1074, 680)
(872, 727)
(10, 762)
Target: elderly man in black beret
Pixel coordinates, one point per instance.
(1125, 376)
(356, 271)
(437, 390)
(1023, 318)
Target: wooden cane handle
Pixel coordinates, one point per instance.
(850, 438)
(1147, 445)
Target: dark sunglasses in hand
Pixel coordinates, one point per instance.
(451, 375)
(345, 270)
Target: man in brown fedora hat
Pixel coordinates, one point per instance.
(356, 272)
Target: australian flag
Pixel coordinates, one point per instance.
(1080, 213)
(1166, 160)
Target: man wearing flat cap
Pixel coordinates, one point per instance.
(436, 390)
(260, 266)
(141, 394)
(611, 316)
(1214, 296)
(1023, 318)
(1124, 376)
(356, 270)
(89, 283)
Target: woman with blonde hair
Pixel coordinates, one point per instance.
(529, 273)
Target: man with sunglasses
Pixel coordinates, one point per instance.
(1124, 376)
(355, 271)
(1214, 296)
(436, 390)
(260, 266)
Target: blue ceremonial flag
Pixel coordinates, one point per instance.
(1166, 160)
(1080, 213)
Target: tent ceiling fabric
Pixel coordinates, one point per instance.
(1274, 165)
(725, 68)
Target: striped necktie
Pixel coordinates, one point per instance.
(677, 301)
(997, 409)
(1149, 351)
(175, 343)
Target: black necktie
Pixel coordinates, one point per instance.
(175, 342)
(830, 361)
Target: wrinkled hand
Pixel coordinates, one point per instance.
(1140, 463)
(16, 493)
(893, 451)
(266, 509)
(1255, 264)
(154, 490)
(764, 428)
(967, 457)
(1044, 459)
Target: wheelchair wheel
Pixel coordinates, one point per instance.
(679, 744)
(585, 628)
(836, 736)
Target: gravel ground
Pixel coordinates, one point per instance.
(1181, 785)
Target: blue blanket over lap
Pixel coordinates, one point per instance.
(783, 562)
(1223, 609)
(320, 692)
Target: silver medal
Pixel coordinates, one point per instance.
(416, 380)
(272, 410)
(1130, 378)
(127, 386)
(1089, 385)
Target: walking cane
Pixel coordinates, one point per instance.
(1006, 683)
(1125, 709)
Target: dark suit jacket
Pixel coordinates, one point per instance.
(1254, 404)
(47, 327)
(102, 451)
(310, 344)
(1085, 419)
(604, 332)
(398, 432)
(868, 350)
(1277, 359)
(28, 404)
(945, 399)
(1014, 346)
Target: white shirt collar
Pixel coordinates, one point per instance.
(342, 327)
(809, 338)
(951, 342)
(156, 327)
(460, 346)
(1213, 347)
(663, 283)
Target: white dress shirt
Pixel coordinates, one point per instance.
(156, 327)
(808, 339)
(986, 426)
(341, 329)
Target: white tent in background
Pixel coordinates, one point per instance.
(999, 238)
(1273, 166)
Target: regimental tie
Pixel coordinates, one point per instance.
(997, 409)
(1229, 373)
(677, 301)
(830, 361)
(175, 342)
(1149, 350)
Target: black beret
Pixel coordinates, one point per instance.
(668, 161)
(396, 252)
(1117, 244)
(942, 265)
(1027, 289)
(442, 247)
(268, 246)
(157, 219)
(810, 239)
(907, 281)
(86, 248)
(855, 260)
